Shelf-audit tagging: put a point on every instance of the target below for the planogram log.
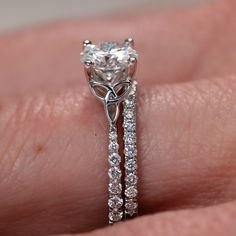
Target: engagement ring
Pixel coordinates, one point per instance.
(110, 68)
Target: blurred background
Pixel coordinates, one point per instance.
(19, 13)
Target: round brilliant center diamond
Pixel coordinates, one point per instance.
(108, 58)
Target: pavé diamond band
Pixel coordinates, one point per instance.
(130, 151)
(109, 68)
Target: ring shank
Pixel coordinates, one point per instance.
(115, 200)
(130, 151)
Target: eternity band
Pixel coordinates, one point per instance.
(109, 69)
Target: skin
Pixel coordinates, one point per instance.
(53, 168)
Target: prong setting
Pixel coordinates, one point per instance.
(133, 60)
(88, 64)
(109, 63)
(132, 66)
(88, 69)
(130, 42)
(86, 43)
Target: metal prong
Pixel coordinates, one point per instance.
(132, 66)
(88, 64)
(86, 43)
(88, 69)
(130, 41)
(132, 60)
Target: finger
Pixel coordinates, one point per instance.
(174, 45)
(211, 221)
(53, 155)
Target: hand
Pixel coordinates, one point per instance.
(53, 177)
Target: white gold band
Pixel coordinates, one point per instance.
(130, 151)
(115, 200)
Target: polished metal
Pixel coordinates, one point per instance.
(110, 79)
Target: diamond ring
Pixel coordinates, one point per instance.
(109, 69)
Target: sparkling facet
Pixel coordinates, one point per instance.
(115, 216)
(129, 103)
(131, 179)
(131, 204)
(131, 212)
(108, 57)
(129, 113)
(113, 135)
(132, 94)
(115, 202)
(131, 165)
(131, 192)
(113, 147)
(129, 138)
(114, 173)
(129, 126)
(130, 150)
(115, 188)
(114, 159)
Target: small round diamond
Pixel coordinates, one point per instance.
(129, 126)
(114, 159)
(114, 173)
(131, 165)
(131, 179)
(131, 212)
(113, 135)
(113, 147)
(129, 114)
(115, 216)
(129, 103)
(130, 150)
(131, 205)
(131, 192)
(115, 188)
(115, 202)
(129, 138)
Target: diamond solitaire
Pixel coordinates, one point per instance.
(109, 68)
(109, 59)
